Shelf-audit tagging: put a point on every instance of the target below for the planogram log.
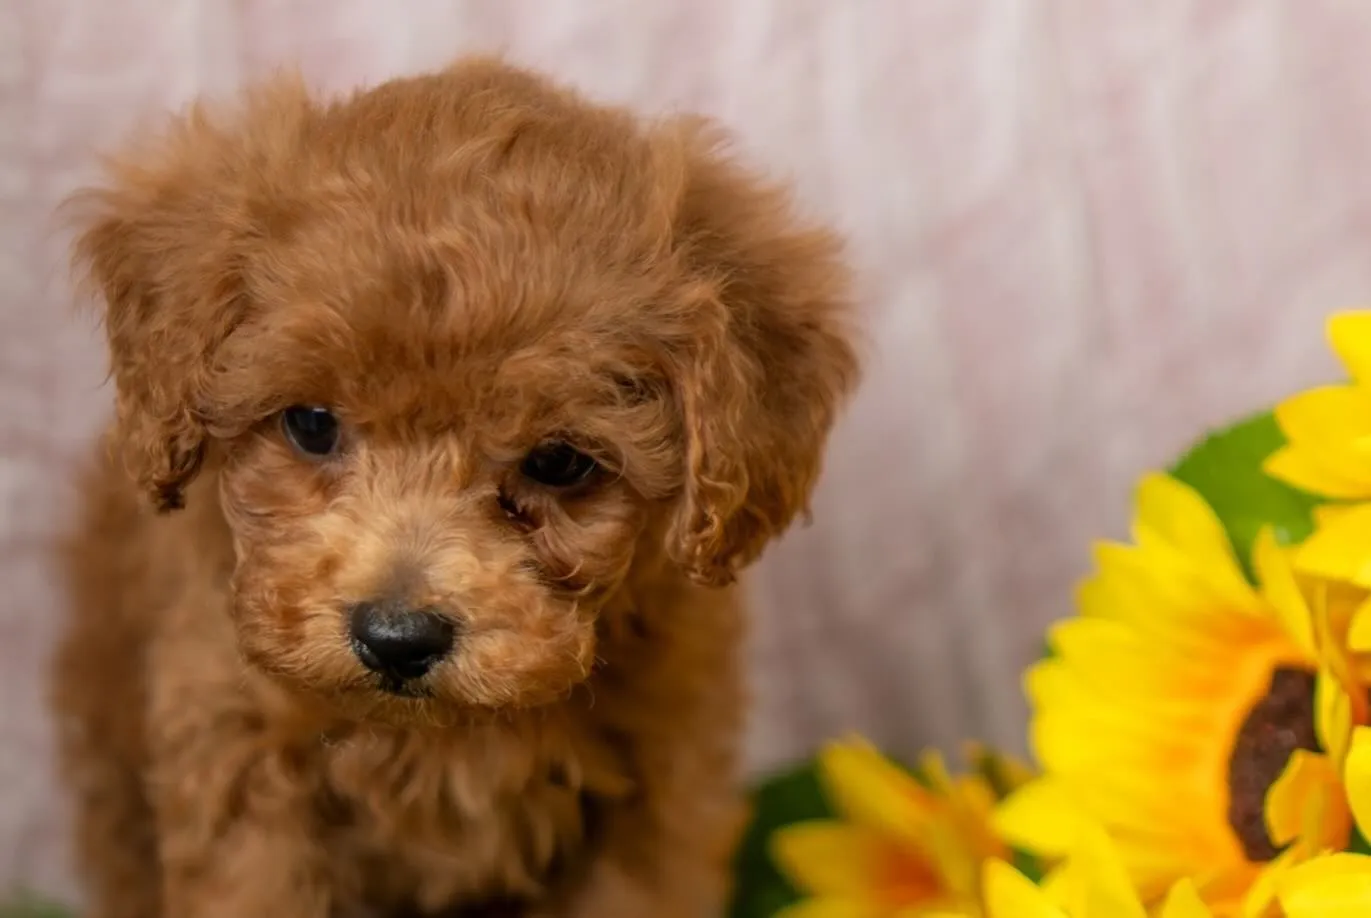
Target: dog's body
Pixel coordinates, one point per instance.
(475, 396)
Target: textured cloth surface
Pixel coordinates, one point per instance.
(1085, 230)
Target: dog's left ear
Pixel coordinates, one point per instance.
(159, 243)
(769, 363)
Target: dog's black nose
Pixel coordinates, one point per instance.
(398, 641)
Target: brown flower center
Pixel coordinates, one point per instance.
(1278, 724)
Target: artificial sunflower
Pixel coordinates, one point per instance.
(901, 846)
(1328, 453)
(1181, 696)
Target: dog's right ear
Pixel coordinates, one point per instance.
(160, 245)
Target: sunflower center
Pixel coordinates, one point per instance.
(1278, 724)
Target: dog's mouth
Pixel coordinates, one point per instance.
(403, 688)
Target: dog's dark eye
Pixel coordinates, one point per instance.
(557, 464)
(311, 430)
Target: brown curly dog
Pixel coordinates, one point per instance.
(470, 398)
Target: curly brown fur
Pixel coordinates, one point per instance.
(460, 266)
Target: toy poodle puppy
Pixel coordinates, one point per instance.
(446, 415)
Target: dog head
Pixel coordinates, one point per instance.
(464, 353)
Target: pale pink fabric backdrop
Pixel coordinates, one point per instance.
(1085, 229)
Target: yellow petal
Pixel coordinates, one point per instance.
(1163, 596)
(1009, 894)
(1041, 817)
(1261, 895)
(1184, 902)
(944, 853)
(1094, 881)
(1282, 590)
(1318, 869)
(1055, 884)
(830, 858)
(1176, 514)
(1332, 471)
(1356, 776)
(1116, 659)
(1359, 629)
(1111, 890)
(1349, 334)
(1325, 514)
(1332, 715)
(1327, 414)
(871, 790)
(1305, 804)
(1333, 886)
(1285, 799)
(1342, 550)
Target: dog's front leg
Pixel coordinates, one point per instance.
(235, 837)
(234, 842)
(234, 802)
(664, 850)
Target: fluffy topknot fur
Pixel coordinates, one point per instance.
(461, 267)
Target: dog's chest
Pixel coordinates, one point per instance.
(430, 823)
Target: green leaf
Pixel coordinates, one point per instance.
(1029, 865)
(792, 796)
(1226, 469)
(1358, 844)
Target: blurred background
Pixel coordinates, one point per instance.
(1086, 230)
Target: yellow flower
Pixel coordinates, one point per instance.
(1092, 883)
(1328, 453)
(1332, 886)
(902, 848)
(1181, 696)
